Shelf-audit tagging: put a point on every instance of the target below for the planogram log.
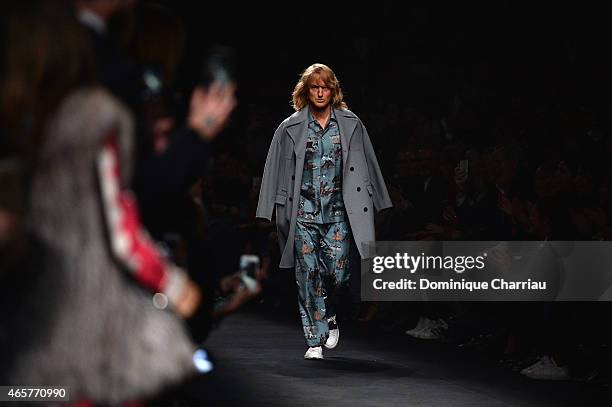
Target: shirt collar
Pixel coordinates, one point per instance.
(92, 20)
(332, 116)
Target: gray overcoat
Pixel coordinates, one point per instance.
(363, 186)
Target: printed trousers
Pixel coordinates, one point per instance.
(321, 266)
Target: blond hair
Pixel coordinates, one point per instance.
(300, 92)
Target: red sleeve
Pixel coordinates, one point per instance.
(129, 241)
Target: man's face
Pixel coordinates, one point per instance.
(319, 94)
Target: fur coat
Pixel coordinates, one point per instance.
(82, 321)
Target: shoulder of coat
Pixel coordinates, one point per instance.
(92, 105)
(284, 122)
(347, 113)
(282, 125)
(297, 117)
(89, 112)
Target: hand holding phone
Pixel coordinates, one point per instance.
(213, 100)
(211, 108)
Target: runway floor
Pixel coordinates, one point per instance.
(259, 362)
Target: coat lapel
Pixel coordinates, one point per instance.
(297, 128)
(347, 123)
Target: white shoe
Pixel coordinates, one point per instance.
(433, 330)
(546, 369)
(429, 332)
(332, 339)
(314, 353)
(334, 334)
(542, 361)
(442, 323)
(423, 322)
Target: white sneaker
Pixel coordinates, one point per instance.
(332, 339)
(430, 332)
(423, 322)
(442, 323)
(334, 334)
(542, 361)
(431, 329)
(314, 353)
(547, 369)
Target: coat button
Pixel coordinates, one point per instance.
(352, 168)
(365, 209)
(292, 177)
(358, 189)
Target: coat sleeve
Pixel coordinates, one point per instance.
(129, 242)
(269, 181)
(380, 195)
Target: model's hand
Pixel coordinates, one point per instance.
(211, 108)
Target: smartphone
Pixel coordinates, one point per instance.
(463, 165)
(249, 264)
(219, 65)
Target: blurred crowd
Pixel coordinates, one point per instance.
(127, 203)
(513, 178)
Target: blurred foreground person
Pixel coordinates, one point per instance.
(95, 305)
(173, 151)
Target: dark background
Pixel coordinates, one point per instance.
(518, 71)
(415, 54)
